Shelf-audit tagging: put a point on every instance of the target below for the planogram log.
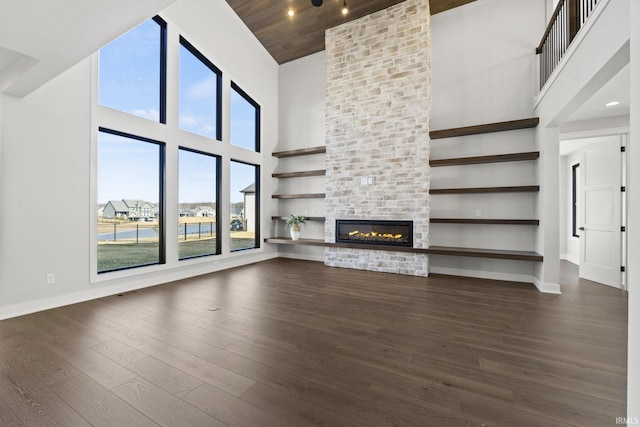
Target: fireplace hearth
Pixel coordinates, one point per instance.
(375, 232)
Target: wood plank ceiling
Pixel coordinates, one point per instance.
(288, 38)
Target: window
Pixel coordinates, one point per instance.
(245, 186)
(134, 161)
(130, 201)
(133, 70)
(198, 204)
(245, 120)
(575, 199)
(200, 93)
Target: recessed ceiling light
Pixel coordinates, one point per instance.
(612, 103)
(291, 13)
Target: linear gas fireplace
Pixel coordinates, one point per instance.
(376, 232)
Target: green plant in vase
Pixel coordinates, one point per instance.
(293, 223)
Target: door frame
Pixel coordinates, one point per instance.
(624, 133)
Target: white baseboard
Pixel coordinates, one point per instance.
(92, 293)
(547, 288)
(496, 275)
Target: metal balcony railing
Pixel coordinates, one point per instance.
(567, 19)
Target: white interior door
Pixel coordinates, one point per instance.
(601, 212)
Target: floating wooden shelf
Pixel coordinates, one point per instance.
(318, 172)
(307, 218)
(434, 250)
(486, 253)
(484, 221)
(288, 241)
(319, 242)
(299, 152)
(478, 190)
(299, 196)
(498, 158)
(485, 128)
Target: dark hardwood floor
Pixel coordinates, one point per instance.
(294, 343)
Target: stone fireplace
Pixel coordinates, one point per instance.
(378, 100)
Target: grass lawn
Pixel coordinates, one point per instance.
(124, 255)
(242, 243)
(192, 248)
(114, 257)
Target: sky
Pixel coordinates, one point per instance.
(129, 82)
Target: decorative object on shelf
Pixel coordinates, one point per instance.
(294, 222)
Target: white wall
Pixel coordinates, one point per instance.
(45, 184)
(480, 75)
(565, 208)
(483, 61)
(46, 166)
(302, 125)
(633, 357)
(302, 102)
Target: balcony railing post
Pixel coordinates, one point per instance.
(574, 18)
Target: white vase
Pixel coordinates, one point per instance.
(295, 232)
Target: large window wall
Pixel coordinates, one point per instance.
(160, 118)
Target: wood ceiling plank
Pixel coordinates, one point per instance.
(287, 38)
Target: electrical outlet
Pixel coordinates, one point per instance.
(478, 212)
(51, 278)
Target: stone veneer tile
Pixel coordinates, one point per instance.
(378, 100)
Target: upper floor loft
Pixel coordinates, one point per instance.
(583, 60)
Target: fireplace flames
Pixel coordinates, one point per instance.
(375, 232)
(373, 235)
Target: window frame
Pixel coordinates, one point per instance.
(162, 255)
(162, 64)
(218, 73)
(250, 100)
(257, 208)
(574, 200)
(163, 68)
(218, 185)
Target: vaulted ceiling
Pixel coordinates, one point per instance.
(40, 39)
(288, 38)
(31, 56)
